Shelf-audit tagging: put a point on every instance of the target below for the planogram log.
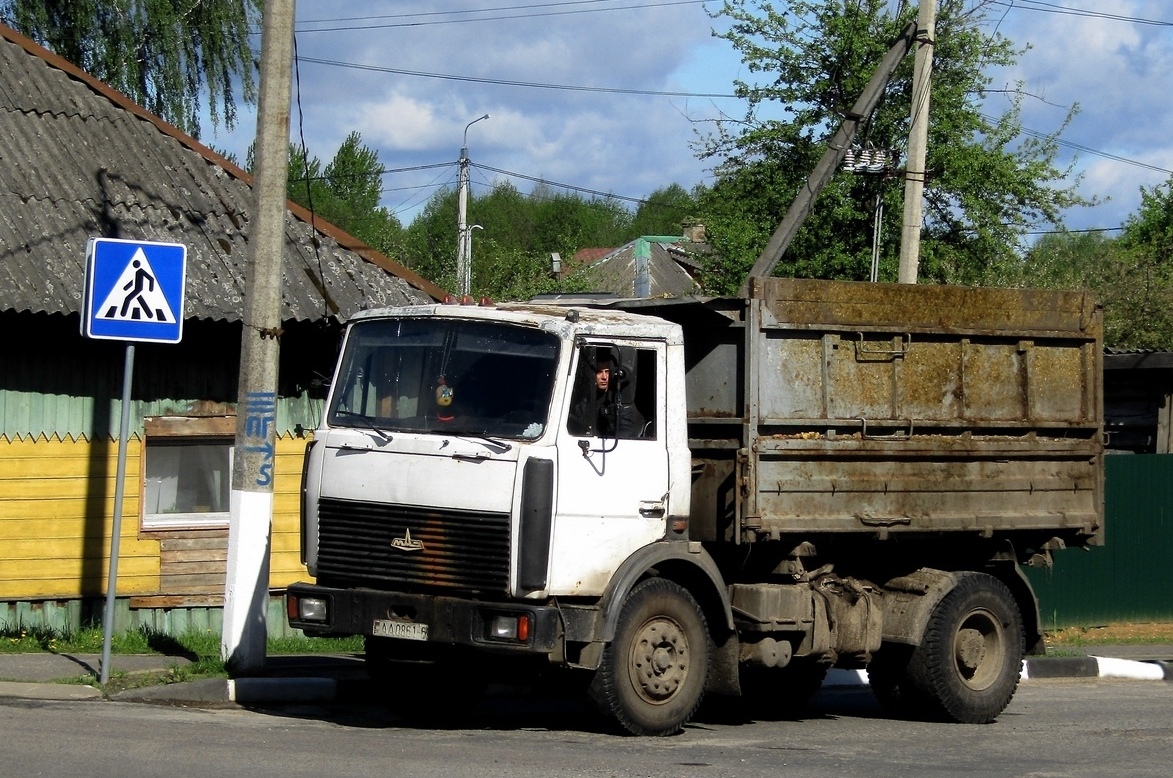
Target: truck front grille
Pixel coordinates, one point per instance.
(374, 544)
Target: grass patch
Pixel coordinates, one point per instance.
(194, 645)
(1121, 633)
(196, 653)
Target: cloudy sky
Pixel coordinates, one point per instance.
(609, 95)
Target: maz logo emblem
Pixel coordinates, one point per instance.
(405, 543)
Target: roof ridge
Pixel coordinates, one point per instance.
(315, 222)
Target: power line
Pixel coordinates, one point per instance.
(548, 182)
(507, 82)
(1087, 149)
(500, 17)
(451, 13)
(380, 172)
(1064, 10)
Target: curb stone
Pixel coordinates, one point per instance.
(1051, 667)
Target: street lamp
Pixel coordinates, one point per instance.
(463, 232)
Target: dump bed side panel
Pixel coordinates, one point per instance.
(891, 408)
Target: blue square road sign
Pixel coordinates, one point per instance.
(134, 290)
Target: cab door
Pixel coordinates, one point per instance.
(612, 473)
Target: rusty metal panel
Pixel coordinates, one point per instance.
(1055, 392)
(995, 356)
(929, 484)
(888, 409)
(924, 308)
(993, 376)
(931, 386)
(892, 409)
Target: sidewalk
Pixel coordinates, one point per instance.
(292, 678)
(332, 677)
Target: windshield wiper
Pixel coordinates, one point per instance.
(368, 421)
(494, 445)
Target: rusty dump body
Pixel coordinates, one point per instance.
(820, 408)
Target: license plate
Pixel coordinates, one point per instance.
(405, 630)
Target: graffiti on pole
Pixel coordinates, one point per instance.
(259, 425)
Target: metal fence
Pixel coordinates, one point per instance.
(1130, 578)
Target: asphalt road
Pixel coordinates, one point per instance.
(1067, 728)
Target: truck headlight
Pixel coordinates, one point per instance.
(512, 627)
(307, 608)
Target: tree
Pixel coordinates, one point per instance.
(518, 232)
(347, 193)
(665, 210)
(1132, 275)
(162, 54)
(987, 185)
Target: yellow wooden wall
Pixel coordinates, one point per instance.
(56, 515)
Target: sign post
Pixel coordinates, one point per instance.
(134, 291)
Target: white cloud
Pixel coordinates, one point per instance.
(633, 144)
(1117, 71)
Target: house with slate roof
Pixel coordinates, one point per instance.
(78, 160)
(649, 266)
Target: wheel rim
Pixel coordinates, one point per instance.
(659, 660)
(979, 649)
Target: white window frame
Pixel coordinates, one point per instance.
(177, 431)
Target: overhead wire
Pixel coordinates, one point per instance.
(499, 17)
(309, 196)
(428, 18)
(1066, 10)
(458, 11)
(510, 82)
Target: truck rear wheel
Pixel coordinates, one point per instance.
(968, 664)
(652, 675)
(888, 677)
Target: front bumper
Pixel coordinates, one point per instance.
(449, 620)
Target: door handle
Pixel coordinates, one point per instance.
(651, 509)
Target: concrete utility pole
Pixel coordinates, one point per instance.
(837, 148)
(463, 231)
(918, 141)
(246, 588)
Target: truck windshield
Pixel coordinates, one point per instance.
(444, 376)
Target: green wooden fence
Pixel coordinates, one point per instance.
(1130, 578)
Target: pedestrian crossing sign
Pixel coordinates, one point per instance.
(134, 290)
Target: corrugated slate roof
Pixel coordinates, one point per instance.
(668, 271)
(79, 160)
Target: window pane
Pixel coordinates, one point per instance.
(614, 393)
(444, 376)
(187, 482)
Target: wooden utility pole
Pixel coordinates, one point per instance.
(918, 141)
(246, 588)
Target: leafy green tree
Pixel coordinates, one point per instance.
(431, 240)
(665, 210)
(518, 232)
(1136, 281)
(567, 222)
(987, 185)
(1132, 275)
(346, 193)
(163, 54)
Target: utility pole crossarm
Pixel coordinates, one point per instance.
(832, 158)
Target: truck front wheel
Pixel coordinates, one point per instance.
(652, 676)
(968, 664)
